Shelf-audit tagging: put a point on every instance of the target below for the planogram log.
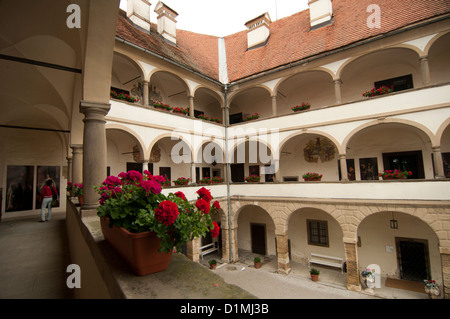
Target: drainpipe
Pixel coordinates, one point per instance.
(228, 175)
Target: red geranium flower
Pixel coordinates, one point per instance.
(216, 204)
(180, 195)
(167, 212)
(202, 205)
(215, 230)
(205, 194)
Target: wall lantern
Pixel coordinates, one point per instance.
(393, 222)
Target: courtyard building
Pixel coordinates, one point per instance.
(274, 102)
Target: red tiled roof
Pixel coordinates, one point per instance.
(195, 51)
(290, 38)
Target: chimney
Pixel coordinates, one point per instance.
(321, 12)
(138, 11)
(258, 31)
(167, 25)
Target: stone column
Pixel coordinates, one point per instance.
(145, 93)
(69, 172)
(425, 70)
(337, 90)
(191, 106)
(226, 244)
(351, 257)
(343, 164)
(445, 260)
(274, 106)
(438, 163)
(284, 266)
(77, 163)
(94, 154)
(193, 250)
(193, 175)
(144, 165)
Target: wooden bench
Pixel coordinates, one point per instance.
(326, 261)
(207, 249)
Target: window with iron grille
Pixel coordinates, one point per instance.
(317, 232)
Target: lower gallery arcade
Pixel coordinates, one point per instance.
(359, 232)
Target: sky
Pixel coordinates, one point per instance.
(221, 18)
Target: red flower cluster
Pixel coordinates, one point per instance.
(167, 212)
(215, 230)
(202, 205)
(180, 195)
(205, 194)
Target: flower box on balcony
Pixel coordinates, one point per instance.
(122, 96)
(395, 174)
(180, 110)
(162, 106)
(254, 116)
(378, 91)
(216, 180)
(312, 177)
(304, 106)
(252, 179)
(182, 181)
(205, 181)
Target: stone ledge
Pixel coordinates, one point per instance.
(184, 279)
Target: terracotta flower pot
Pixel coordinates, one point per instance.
(257, 265)
(212, 266)
(80, 200)
(140, 250)
(315, 277)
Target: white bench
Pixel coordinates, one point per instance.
(326, 261)
(207, 249)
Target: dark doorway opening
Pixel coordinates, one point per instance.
(413, 259)
(258, 234)
(237, 173)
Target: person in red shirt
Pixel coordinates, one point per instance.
(47, 197)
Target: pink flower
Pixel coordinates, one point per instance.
(151, 186)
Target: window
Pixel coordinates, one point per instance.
(399, 84)
(317, 232)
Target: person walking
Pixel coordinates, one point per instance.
(47, 193)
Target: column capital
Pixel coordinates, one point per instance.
(94, 110)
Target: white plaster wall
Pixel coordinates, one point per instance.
(255, 215)
(375, 234)
(298, 235)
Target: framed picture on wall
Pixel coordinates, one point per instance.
(19, 188)
(368, 168)
(45, 173)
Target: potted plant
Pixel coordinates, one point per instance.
(257, 262)
(162, 106)
(378, 91)
(143, 225)
(312, 177)
(252, 179)
(432, 288)
(395, 174)
(314, 274)
(304, 106)
(369, 278)
(77, 191)
(182, 181)
(212, 264)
